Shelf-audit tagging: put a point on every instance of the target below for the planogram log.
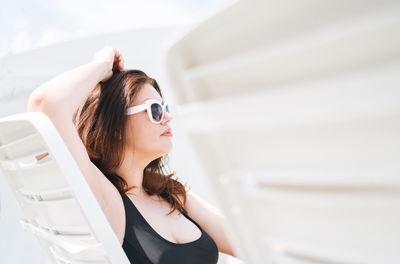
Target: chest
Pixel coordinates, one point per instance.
(174, 227)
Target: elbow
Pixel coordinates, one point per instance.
(39, 103)
(35, 103)
(42, 102)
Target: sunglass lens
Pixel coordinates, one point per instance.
(167, 108)
(156, 112)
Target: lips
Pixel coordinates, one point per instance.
(167, 132)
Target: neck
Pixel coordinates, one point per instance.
(131, 170)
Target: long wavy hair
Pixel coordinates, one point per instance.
(101, 122)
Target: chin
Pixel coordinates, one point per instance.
(164, 152)
(167, 151)
(164, 148)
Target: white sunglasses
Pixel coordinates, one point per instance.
(155, 110)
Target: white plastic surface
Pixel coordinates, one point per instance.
(294, 111)
(58, 205)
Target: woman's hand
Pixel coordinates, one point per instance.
(111, 60)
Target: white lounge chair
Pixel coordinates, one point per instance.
(294, 111)
(58, 205)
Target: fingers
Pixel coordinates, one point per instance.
(112, 56)
(118, 60)
(121, 64)
(106, 54)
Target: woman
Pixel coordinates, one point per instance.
(115, 124)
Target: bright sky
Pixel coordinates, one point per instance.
(27, 24)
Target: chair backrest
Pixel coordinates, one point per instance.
(294, 110)
(57, 203)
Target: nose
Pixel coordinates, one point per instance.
(167, 117)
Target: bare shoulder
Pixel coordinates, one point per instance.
(210, 218)
(196, 205)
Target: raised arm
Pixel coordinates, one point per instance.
(58, 99)
(66, 92)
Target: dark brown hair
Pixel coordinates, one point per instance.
(101, 122)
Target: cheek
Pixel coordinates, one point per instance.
(145, 136)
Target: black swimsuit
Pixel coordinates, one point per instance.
(143, 245)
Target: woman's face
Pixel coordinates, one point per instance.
(143, 136)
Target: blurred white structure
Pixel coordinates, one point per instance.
(294, 111)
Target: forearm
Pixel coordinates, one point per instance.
(67, 91)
